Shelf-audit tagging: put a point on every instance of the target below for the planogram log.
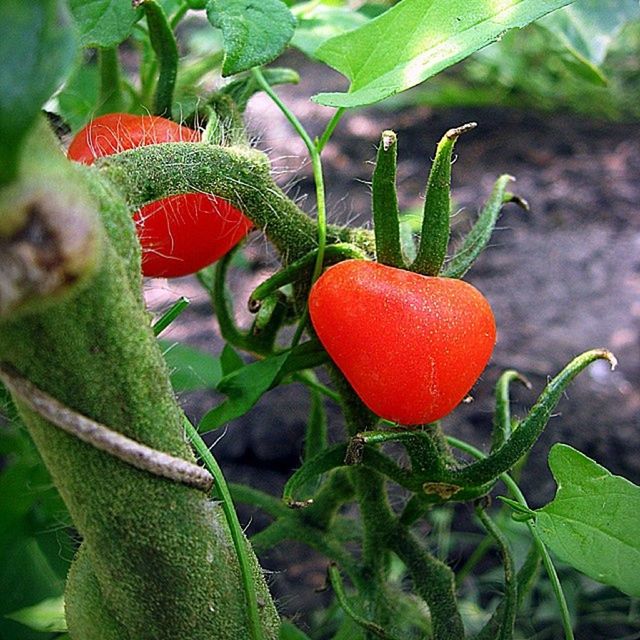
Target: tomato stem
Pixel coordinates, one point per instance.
(110, 98)
(529, 430)
(546, 558)
(237, 536)
(316, 164)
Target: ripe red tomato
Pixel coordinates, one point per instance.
(411, 346)
(180, 234)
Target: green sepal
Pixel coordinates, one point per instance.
(477, 239)
(297, 270)
(502, 425)
(529, 430)
(434, 239)
(384, 200)
(341, 455)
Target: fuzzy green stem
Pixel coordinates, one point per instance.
(166, 49)
(542, 550)
(338, 588)
(510, 601)
(239, 541)
(316, 165)
(293, 271)
(434, 582)
(502, 416)
(529, 430)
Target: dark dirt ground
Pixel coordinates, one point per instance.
(563, 278)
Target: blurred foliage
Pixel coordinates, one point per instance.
(532, 69)
(36, 547)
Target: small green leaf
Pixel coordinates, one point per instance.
(246, 385)
(593, 522)
(104, 23)
(47, 615)
(416, 39)
(230, 360)
(37, 49)
(288, 631)
(254, 33)
(190, 368)
(317, 23)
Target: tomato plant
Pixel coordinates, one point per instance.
(119, 521)
(180, 234)
(410, 345)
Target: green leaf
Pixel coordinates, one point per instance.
(37, 50)
(254, 33)
(245, 386)
(416, 39)
(47, 615)
(288, 631)
(104, 23)
(317, 23)
(190, 368)
(587, 29)
(593, 521)
(77, 100)
(230, 360)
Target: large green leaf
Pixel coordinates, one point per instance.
(416, 39)
(254, 33)
(104, 23)
(37, 49)
(593, 522)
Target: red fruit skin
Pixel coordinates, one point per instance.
(411, 346)
(180, 234)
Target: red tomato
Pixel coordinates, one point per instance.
(411, 346)
(180, 234)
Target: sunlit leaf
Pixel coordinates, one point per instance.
(318, 23)
(416, 39)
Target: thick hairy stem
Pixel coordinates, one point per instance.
(237, 174)
(434, 582)
(157, 560)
